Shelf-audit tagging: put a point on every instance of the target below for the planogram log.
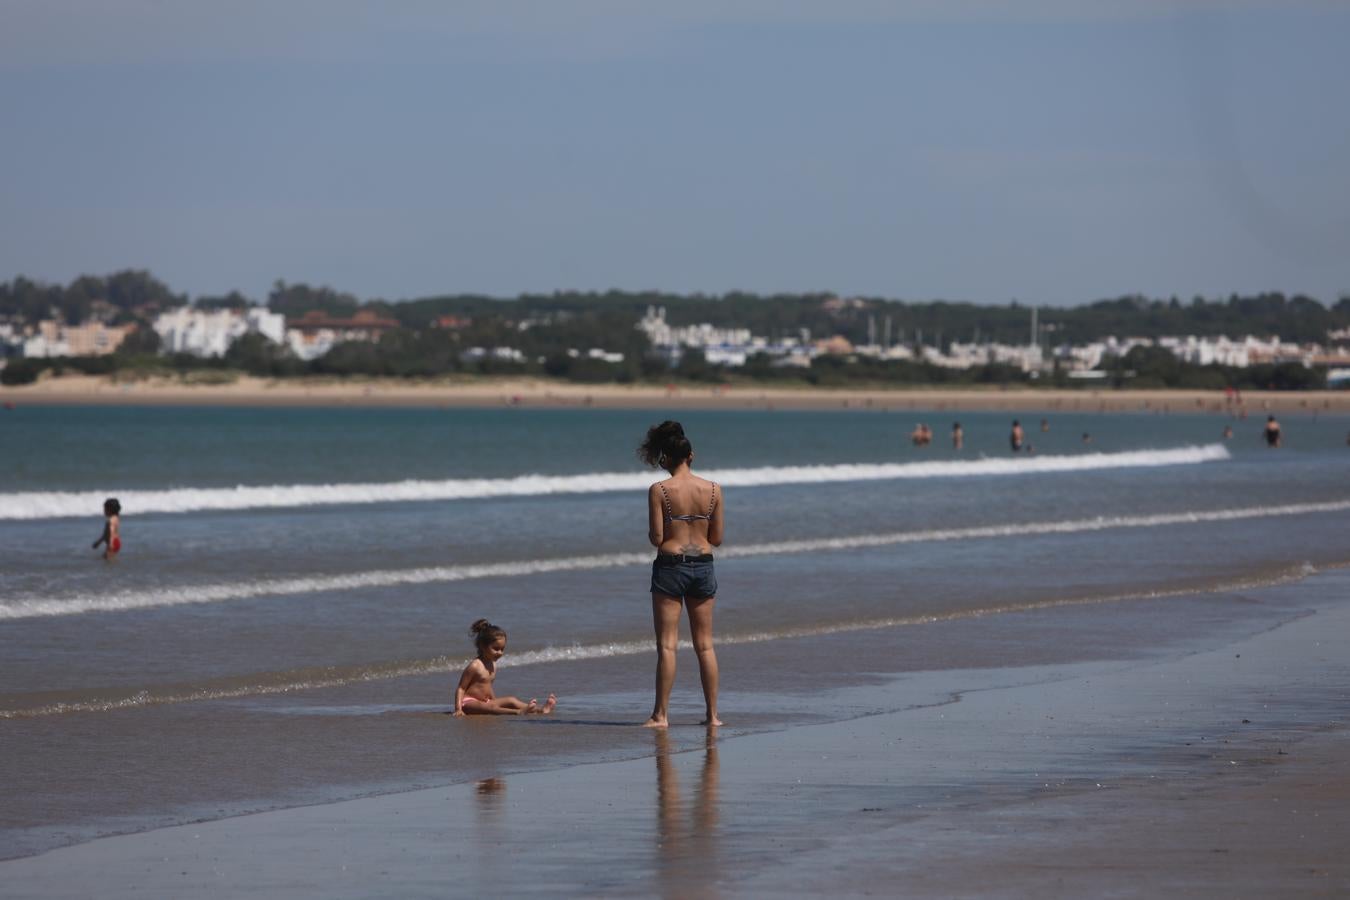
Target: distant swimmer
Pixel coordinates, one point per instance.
(1045, 425)
(958, 436)
(1016, 437)
(921, 436)
(1228, 432)
(1087, 438)
(112, 529)
(1272, 432)
(474, 695)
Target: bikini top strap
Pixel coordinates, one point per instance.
(666, 497)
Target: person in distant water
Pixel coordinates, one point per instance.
(1087, 438)
(1272, 432)
(1016, 437)
(684, 522)
(922, 435)
(958, 436)
(474, 695)
(111, 539)
(1045, 425)
(1227, 432)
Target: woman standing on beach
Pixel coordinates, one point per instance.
(684, 523)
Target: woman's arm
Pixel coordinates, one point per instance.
(656, 520)
(103, 538)
(715, 523)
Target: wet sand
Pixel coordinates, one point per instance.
(1222, 772)
(487, 392)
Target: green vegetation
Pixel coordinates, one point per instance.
(553, 332)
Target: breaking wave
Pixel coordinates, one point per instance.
(65, 504)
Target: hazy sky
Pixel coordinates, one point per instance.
(1053, 152)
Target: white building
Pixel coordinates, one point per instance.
(663, 334)
(210, 332)
(499, 354)
(1208, 351)
(720, 346)
(315, 333)
(1026, 357)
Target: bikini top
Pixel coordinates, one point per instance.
(692, 517)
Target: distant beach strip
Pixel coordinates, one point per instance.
(74, 504)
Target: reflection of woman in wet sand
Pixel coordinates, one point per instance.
(701, 829)
(684, 523)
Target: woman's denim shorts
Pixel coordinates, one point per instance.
(690, 577)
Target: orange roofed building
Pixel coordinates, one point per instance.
(315, 333)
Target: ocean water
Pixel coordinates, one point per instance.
(289, 612)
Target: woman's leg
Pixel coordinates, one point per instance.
(666, 620)
(701, 629)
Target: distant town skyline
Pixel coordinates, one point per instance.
(1055, 153)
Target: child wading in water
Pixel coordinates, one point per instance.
(112, 529)
(474, 694)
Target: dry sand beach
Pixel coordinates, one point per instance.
(488, 392)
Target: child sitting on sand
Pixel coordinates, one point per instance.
(474, 694)
(112, 529)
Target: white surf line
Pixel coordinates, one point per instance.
(31, 607)
(578, 652)
(65, 504)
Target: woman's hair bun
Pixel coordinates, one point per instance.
(665, 444)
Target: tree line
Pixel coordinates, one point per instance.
(548, 329)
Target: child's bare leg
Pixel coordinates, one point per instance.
(517, 706)
(501, 706)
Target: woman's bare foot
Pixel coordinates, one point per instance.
(551, 702)
(655, 722)
(711, 721)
